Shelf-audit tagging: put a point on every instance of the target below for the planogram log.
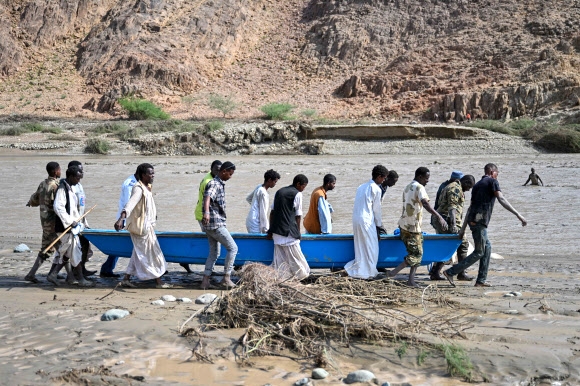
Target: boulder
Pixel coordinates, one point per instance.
(168, 298)
(21, 248)
(158, 302)
(359, 376)
(205, 299)
(114, 314)
(319, 373)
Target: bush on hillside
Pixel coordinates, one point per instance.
(277, 111)
(141, 109)
(225, 104)
(97, 146)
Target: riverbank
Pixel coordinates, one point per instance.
(259, 138)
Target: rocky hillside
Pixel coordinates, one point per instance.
(346, 59)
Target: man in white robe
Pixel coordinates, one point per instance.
(68, 252)
(147, 260)
(367, 225)
(257, 220)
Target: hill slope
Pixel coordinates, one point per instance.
(345, 58)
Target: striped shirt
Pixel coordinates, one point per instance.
(216, 191)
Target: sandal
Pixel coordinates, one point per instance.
(127, 283)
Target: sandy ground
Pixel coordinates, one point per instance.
(44, 331)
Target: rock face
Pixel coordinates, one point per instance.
(493, 58)
(164, 45)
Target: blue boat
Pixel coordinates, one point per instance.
(321, 251)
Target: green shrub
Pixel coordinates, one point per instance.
(33, 126)
(308, 113)
(52, 130)
(402, 350)
(224, 104)
(140, 109)
(63, 137)
(522, 124)
(563, 140)
(277, 111)
(215, 125)
(128, 133)
(492, 125)
(97, 146)
(109, 128)
(14, 131)
(458, 362)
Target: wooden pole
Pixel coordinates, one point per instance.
(66, 230)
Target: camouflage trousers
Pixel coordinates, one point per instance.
(414, 244)
(48, 236)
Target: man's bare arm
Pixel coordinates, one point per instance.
(298, 221)
(205, 219)
(504, 202)
(528, 180)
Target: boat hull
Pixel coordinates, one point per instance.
(321, 251)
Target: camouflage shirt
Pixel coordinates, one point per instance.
(44, 198)
(452, 197)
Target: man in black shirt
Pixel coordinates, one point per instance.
(478, 216)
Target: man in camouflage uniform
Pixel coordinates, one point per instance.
(44, 198)
(450, 207)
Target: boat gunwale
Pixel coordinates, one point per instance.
(239, 235)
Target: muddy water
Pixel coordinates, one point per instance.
(551, 211)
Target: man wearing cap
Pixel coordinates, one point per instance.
(213, 224)
(450, 207)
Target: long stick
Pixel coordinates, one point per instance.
(66, 230)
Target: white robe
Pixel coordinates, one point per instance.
(69, 244)
(257, 220)
(366, 216)
(147, 260)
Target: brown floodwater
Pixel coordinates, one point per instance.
(551, 210)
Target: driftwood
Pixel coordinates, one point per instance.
(280, 314)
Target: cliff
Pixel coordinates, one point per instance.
(344, 58)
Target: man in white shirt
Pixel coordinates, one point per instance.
(257, 220)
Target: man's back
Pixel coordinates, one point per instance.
(482, 200)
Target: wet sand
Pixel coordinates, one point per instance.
(45, 330)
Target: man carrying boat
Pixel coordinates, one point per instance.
(450, 207)
(389, 182)
(214, 170)
(478, 216)
(415, 198)
(68, 253)
(285, 219)
(214, 225)
(258, 220)
(367, 226)
(44, 199)
(318, 220)
(140, 216)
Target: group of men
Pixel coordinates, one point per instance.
(62, 208)
(62, 205)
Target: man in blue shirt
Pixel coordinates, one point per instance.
(478, 216)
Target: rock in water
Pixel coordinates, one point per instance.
(205, 299)
(319, 373)
(158, 302)
(359, 376)
(168, 298)
(21, 248)
(114, 314)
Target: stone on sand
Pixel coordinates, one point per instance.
(168, 298)
(359, 376)
(158, 302)
(20, 248)
(184, 300)
(319, 373)
(302, 382)
(205, 299)
(114, 314)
